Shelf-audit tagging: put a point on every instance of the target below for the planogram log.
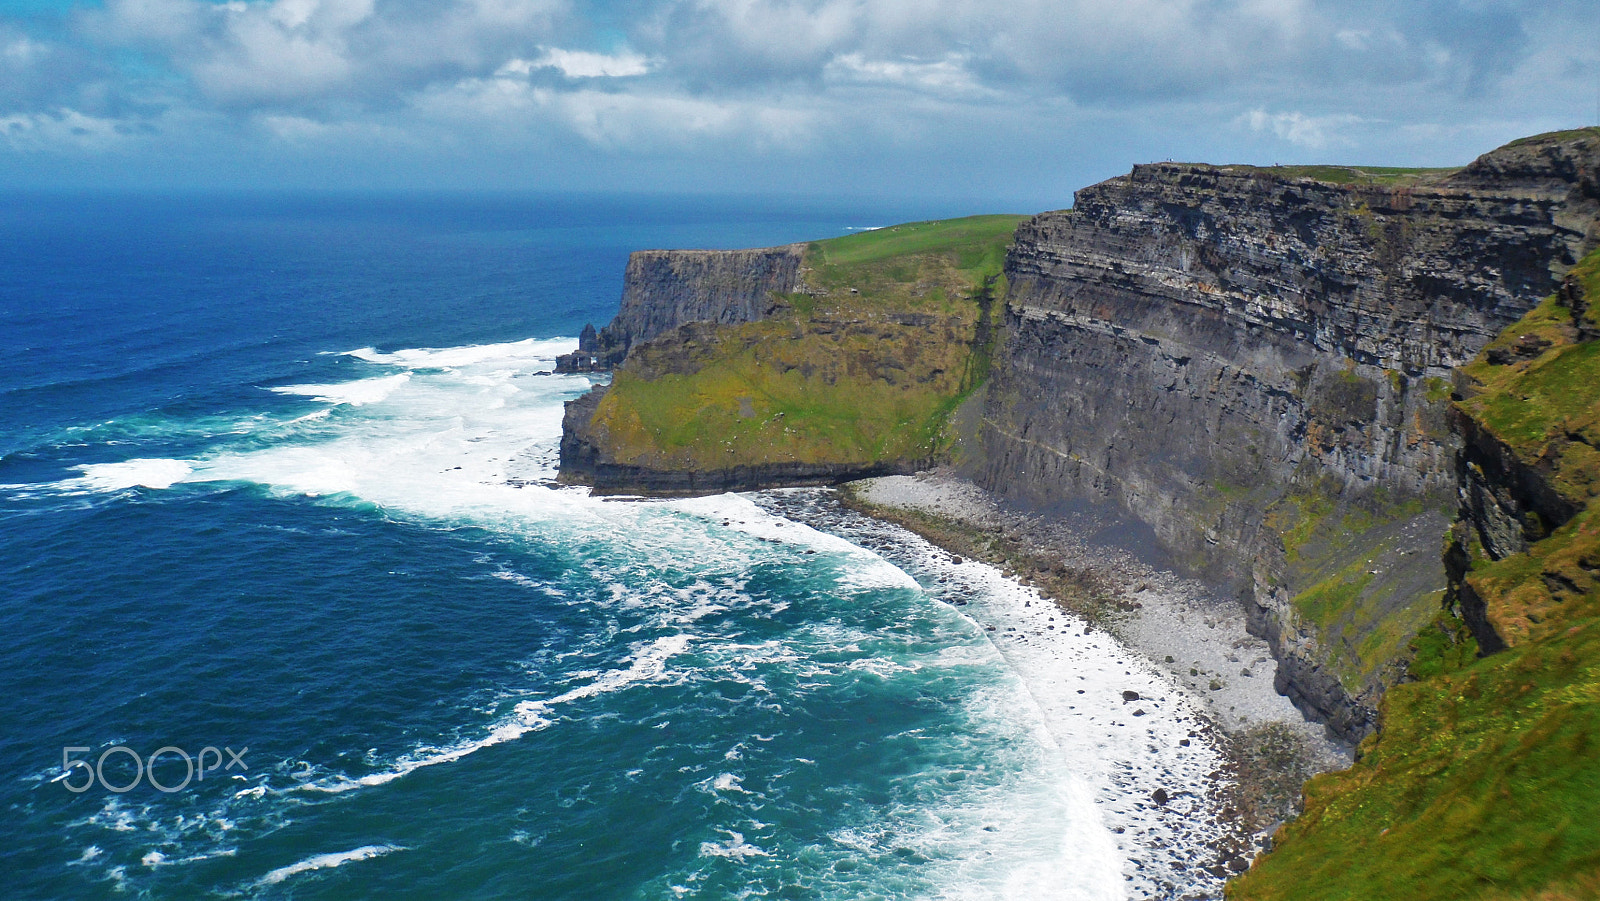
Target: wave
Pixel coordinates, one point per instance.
(735, 847)
(328, 861)
(140, 473)
(459, 432)
(469, 355)
(357, 393)
(527, 716)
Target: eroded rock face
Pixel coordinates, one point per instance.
(1211, 350)
(663, 289)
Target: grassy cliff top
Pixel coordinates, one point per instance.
(1557, 137)
(1398, 176)
(1394, 176)
(975, 240)
(864, 366)
(905, 263)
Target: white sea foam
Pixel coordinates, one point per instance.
(357, 393)
(328, 861)
(648, 664)
(1107, 751)
(462, 432)
(510, 353)
(145, 473)
(735, 846)
(863, 569)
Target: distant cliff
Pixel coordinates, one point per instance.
(805, 365)
(663, 289)
(1257, 366)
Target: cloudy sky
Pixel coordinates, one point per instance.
(1021, 101)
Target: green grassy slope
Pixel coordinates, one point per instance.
(1356, 175)
(866, 366)
(1484, 781)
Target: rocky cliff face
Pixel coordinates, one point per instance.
(664, 289)
(1257, 367)
(1482, 782)
(1255, 364)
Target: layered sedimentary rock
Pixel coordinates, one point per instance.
(663, 289)
(1257, 367)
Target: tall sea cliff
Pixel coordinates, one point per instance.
(1256, 364)
(1253, 364)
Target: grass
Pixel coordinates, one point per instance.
(1556, 137)
(1357, 175)
(1363, 622)
(1546, 408)
(1483, 783)
(978, 242)
(784, 391)
(1529, 595)
(866, 367)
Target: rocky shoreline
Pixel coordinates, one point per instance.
(1197, 639)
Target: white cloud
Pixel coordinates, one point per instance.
(62, 129)
(1314, 132)
(582, 64)
(21, 51)
(948, 76)
(287, 52)
(626, 120)
(646, 121)
(844, 83)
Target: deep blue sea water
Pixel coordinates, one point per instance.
(273, 479)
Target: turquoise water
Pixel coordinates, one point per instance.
(274, 479)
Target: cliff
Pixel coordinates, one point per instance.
(1296, 378)
(1529, 469)
(1257, 366)
(1483, 781)
(851, 373)
(663, 289)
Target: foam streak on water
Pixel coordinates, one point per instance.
(327, 861)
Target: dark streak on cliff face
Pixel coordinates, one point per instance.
(1217, 351)
(664, 289)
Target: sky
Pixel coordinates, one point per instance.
(1012, 105)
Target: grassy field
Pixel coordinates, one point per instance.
(1484, 781)
(864, 366)
(1356, 175)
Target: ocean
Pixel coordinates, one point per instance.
(291, 607)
